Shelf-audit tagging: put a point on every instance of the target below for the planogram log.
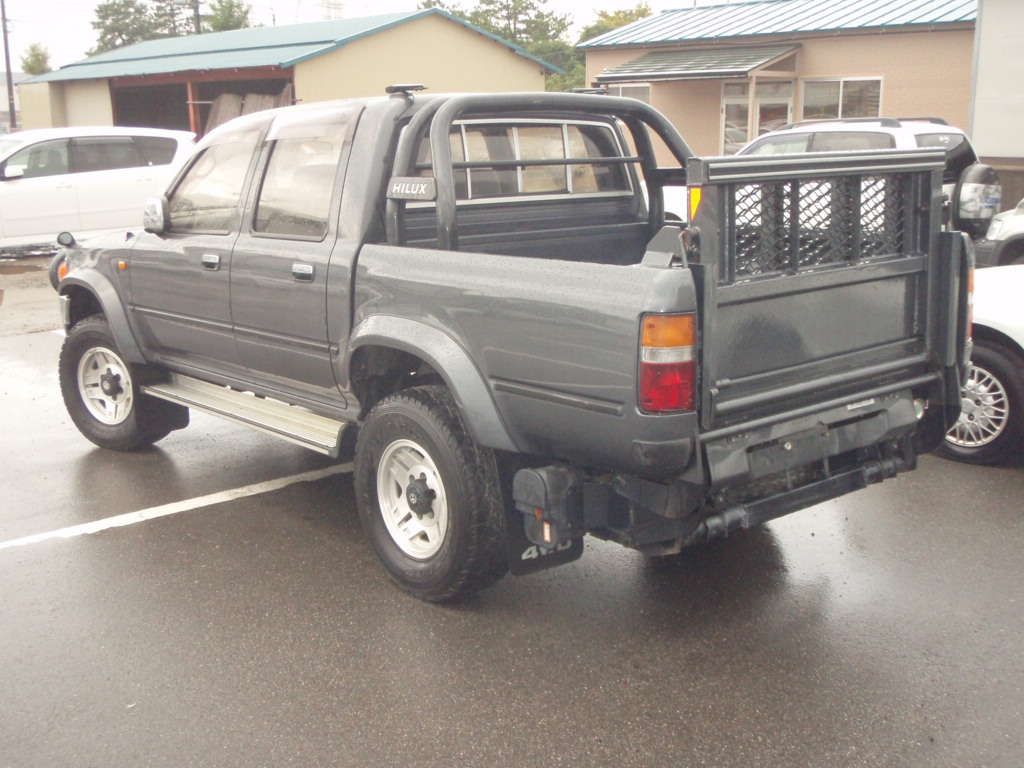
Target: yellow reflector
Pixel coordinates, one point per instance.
(122, 265)
(668, 330)
(62, 270)
(694, 201)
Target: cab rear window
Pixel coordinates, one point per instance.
(547, 148)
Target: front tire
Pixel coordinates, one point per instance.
(991, 424)
(428, 497)
(102, 396)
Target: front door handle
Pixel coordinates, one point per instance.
(303, 272)
(211, 261)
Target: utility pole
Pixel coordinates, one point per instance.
(7, 64)
(195, 13)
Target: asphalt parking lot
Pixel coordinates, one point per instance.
(242, 622)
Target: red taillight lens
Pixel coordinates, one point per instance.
(668, 371)
(667, 386)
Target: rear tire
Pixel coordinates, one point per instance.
(102, 396)
(991, 424)
(428, 497)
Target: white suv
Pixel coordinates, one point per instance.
(84, 180)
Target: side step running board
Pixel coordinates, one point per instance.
(291, 422)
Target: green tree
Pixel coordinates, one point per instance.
(35, 60)
(576, 68)
(122, 22)
(606, 21)
(227, 14)
(526, 22)
(170, 18)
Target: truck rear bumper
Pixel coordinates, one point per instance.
(748, 515)
(739, 480)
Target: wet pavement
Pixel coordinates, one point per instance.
(881, 629)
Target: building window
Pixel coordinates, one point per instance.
(824, 99)
(640, 92)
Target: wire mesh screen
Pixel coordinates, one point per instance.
(804, 223)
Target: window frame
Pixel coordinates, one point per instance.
(84, 140)
(235, 226)
(541, 196)
(880, 79)
(252, 203)
(67, 154)
(620, 86)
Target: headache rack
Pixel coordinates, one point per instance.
(436, 117)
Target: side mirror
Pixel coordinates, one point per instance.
(976, 199)
(13, 173)
(155, 216)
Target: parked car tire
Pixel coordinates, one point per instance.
(428, 497)
(102, 396)
(991, 424)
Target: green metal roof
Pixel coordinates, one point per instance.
(695, 63)
(774, 17)
(254, 47)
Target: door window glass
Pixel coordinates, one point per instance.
(207, 198)
(156, 150)
(104, 153)
(780, 145)
(845, 141)
(295, 197)
(48, 158)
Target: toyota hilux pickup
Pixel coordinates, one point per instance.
(482, 298)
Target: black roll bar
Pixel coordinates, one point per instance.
(443, 112)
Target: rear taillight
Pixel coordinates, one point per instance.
(668, 363)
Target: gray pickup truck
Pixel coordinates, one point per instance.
(485, 292)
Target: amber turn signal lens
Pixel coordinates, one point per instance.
(62, 270)
(668, 331)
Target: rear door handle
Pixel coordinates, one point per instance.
(303, 272)
(211, 261)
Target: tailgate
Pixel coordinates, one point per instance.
(816, 274)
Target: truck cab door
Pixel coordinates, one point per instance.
(180, 279)
(280, 260)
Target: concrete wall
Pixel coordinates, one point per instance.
(42, 105)
(923, 73)
(87, 102)
(998, 110)
(441, 54)
(75, 102)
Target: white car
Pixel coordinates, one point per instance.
(83, 180)
(1004, 242)
(991, 425)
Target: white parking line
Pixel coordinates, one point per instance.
(131, 518)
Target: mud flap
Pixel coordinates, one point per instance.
(526, 557)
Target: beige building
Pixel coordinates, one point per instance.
(725, 74)
(197, 82)
(997, 106)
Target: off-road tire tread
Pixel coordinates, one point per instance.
(151, 423)
(485, 560)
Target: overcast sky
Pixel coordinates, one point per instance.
(63, 26)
